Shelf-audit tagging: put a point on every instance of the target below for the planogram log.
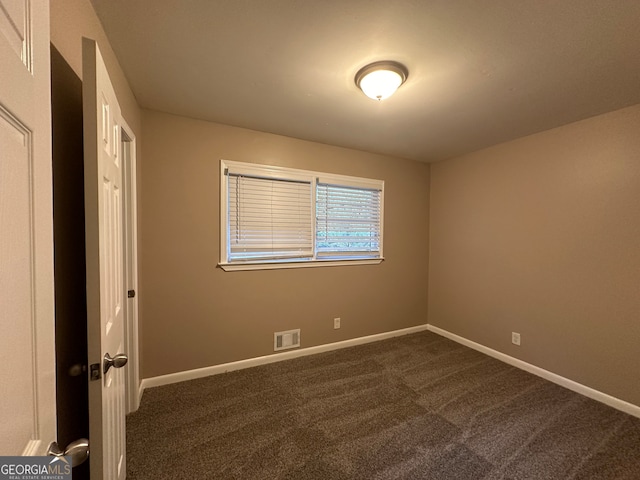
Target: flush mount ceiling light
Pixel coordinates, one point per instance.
(380, 80)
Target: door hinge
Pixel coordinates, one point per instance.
(131, 293)
(96, 374)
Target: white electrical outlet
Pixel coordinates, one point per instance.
(336, 323)
(515, 338)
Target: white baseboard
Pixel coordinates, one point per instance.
(276, 357)
(614, 402)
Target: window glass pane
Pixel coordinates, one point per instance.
(347, 221)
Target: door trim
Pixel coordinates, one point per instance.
(132, 373)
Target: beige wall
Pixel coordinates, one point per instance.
(197, 315)
(542, 236)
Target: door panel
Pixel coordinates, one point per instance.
(15, 23)
(105, 274)
(17, 341)
(27, 363)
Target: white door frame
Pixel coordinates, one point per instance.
(130, 230)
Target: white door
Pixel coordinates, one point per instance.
(27, 347)
(105, 272)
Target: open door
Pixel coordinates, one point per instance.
(27, 361)
(105, 267)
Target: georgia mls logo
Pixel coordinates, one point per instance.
(60, 466)
(35, 468)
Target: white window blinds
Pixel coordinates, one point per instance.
(348, 221)
(269, 219)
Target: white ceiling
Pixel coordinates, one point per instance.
(480, 71)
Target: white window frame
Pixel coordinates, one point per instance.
(269, 171)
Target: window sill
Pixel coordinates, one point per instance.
(233, 267)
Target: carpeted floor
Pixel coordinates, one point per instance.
(413, 407)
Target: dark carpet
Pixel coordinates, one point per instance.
(412, 407)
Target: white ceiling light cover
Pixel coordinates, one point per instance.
(380, 80)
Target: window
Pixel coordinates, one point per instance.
(274, 217)
(347, 221)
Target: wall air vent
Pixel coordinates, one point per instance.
(285, 340)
